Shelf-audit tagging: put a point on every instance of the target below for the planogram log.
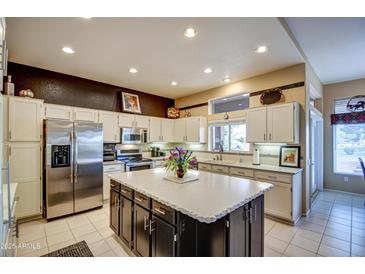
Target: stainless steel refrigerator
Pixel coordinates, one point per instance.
(73, 167)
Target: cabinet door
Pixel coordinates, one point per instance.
(180, 130)
(193, 129)
(25, 119)
(114, 211)
(29, 199)
(142, 240)
(257, 227)
(167, 130)
(280, 123)
(155, 130)
(278, 200)
(25, 162)
(126, 120)
(141, 121)
(238, 235)
(106, 187)
(256, 125)
(85, 114)
(110, 126)
(58, 112)
(163, 238)
(126, 220)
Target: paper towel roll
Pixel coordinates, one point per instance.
(256, 157)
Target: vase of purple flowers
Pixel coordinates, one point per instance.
(180, 161)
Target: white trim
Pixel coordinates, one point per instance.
(345, 192)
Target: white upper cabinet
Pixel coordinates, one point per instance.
(58, 112)
(180, 130)
(274, 124)
(155, 130)
(167, 130)
(256, 125)
(111, 131)
(282, 123)
(126, 120)
(141, 121)
(25, 119)
(190, 129)
(161, 130)
(130, 120)
(85, 114)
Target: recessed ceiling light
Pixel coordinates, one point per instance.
(87, 17)
(227, 79)
(68, 50)
(224, 99)
(208, 70)
(240, 104)
(173, 83)
(190, 32)
(133, 70)
(246, 95)
(261, 49)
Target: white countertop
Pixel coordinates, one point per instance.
(211, 197)
(251, 166)
(160, 158)
(112, 162)
(13, 188)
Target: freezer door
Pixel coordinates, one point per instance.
(88, 166)
(58, 168)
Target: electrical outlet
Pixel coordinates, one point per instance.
(346, 179)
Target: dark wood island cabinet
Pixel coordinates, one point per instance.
(150, 228)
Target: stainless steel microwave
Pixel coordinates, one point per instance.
(132, 135)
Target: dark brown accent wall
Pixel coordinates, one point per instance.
(63, 89)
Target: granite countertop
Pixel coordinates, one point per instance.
(112, 162)
(251, 166)
(211, 197)
(13, 188)
(157, 158)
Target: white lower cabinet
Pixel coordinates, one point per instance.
(110, 169)
(283, 201)
(25, 169)
(278, 200)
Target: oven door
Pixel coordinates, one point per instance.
(138, 166)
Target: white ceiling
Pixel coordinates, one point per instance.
(335, 47)
(105, 48)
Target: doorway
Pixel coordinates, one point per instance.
(316, 153)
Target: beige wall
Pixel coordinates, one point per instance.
(281, 77)
(331, 92)
(273, 79)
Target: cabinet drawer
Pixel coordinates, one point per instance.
(206, 167)
(126, 192)
(244, 172)
(164, 212)
(142, 200)
(220, 169)
(113, 168)
(115, 185)
(271, 176)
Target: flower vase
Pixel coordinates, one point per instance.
(180, 172)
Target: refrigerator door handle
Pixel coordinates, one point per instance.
(71, 158)
(75, 157)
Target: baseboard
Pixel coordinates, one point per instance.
(344, 192)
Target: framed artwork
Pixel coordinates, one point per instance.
(289, 156)
(131, 102)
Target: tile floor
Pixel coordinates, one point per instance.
(335, 227)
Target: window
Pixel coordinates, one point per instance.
(230, 103)
(349, 143)
(231, 135)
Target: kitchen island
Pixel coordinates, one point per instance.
(216, 215)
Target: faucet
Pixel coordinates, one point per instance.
(220, 151)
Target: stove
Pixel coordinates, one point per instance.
(133, 159)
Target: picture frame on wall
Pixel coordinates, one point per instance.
(289, 156)
(131, 102)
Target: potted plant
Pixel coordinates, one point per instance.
(179, 161)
